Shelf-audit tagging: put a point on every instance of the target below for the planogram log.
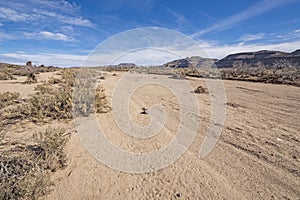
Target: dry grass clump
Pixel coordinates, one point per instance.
(25, 169)
(8, 98)
(68, 77)
(31, 79)
(100, 103)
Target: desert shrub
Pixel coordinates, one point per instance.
(24, 169)
(50, 147)
(192, 72)
(68, 77)
(31, 79)
(50, 102)
(199, 90)
(54, 81)
(6, 76)
(88, 96)
(8, 98)
(47, 103)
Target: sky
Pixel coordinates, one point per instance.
(66, 33)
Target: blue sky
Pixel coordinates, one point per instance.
(64, 32)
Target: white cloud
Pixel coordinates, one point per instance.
(54, 36)
(251, 37)
(297, 31)
(257, 9)
(47, 35)
(78, 21)
(1, 24)
(43, 11)
(12, 15)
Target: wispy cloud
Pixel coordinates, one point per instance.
(179, 19)
(209, 17)
(43, 11)
(54, 36)
(251, 37)
(254, 10)
(42, 20)
(4, 36)
(140, 5)
(77, 21)
(59, 5)
(12, 15)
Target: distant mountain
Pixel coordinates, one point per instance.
(194, 61)
(259, 58)
(124, 65)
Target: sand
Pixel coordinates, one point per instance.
(256, 157)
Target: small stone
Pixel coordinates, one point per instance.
(178, 195)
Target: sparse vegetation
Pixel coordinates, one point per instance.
(31, 79)
(9, 71)
(8, 98)
(47, 103)
(6, 76)
(56, 102)
(24, 168)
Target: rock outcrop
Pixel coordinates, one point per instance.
(194, 61)
(260, 58)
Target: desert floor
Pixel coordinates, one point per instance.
(256, 157)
